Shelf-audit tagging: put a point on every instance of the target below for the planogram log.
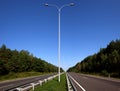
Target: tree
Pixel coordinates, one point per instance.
(22, 61)
(107, 60)
(3, 70)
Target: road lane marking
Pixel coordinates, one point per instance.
(7, 86)
(77, 83)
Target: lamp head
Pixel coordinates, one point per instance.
(72, 4)
(46, 4)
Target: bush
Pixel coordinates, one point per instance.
(105, 73)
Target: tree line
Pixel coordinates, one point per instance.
(106, 61)
(22, 61)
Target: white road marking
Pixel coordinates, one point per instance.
(77, 83)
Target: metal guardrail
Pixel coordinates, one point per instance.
(70, 84)
(33, 85)
(73, 80)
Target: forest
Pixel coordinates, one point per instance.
(22, 61)
(106, 62)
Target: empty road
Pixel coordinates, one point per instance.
(92, 83)
(7, 85)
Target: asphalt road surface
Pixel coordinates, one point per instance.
(7, 85)
(92, 83)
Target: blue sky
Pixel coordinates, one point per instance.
(85, 28)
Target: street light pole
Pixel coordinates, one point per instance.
(59, 45)
(59, 16)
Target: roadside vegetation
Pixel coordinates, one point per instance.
(106, 62)
(12, 76)
(13, 62)
(54, 85)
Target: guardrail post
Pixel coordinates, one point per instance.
(45, 80)
(40, 82)
(33, 86)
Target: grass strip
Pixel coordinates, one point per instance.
(54, 85)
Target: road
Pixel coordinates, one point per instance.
(7, 85)
(92, 83)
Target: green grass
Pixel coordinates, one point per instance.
(54, 85)
(11, 76)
